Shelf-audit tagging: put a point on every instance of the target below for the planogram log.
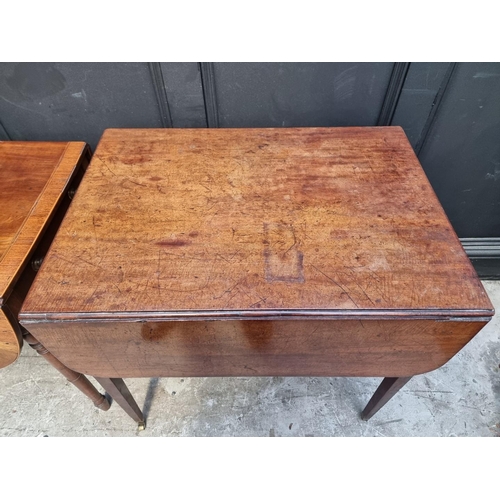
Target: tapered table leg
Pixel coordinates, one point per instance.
(386, 390)
(117, 389)
(79, 380)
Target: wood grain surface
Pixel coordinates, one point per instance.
(10, 337)
(59, 167)
(332, 348)
(260, 223)
(24, 172)
(34, 177)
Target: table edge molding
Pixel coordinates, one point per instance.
(27, 317)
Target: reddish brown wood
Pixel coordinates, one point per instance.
(77, 379)
(330, 348)
(117, 389)
(34, 179)
(10, 337)
(386, 390)
(256, 221)
(26, 168)
(34, 182)
(318, 251)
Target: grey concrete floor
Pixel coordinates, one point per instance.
(460, 399)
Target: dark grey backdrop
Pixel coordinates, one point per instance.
(450, 112)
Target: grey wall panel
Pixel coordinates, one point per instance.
(209, 93)
(393, 93)
(421, 86)
(4, 136)
(461, 155)
(75, 101)
(185, 94)
(300, 94)
(161, 94)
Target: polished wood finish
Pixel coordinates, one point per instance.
(25, 170)
(240, 222)
(10, 337)
(318, 251)
(385, 391)
(34, 177)
(330, 348)
(35, 181)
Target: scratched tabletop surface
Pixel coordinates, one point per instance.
(255, 222)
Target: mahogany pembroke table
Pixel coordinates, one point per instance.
(255, 252)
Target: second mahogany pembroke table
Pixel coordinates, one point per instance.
(37, 181)
(255, 252)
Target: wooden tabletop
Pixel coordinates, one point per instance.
(33, 178)
(24, 173)
(261, 223)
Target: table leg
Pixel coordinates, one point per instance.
(386, 390)
(79, 380)
(117, 389)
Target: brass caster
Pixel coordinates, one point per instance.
(141, 426)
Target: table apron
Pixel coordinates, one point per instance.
(366, 348)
